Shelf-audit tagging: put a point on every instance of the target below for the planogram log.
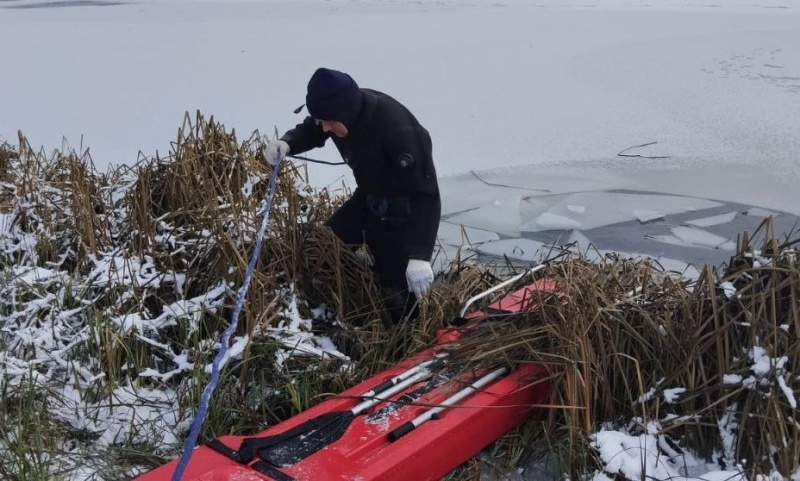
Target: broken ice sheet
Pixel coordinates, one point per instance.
(526, 250)
(457, 235)
(531, 207)
(713, 220)
(647, 215)
(578, 242)
(679, 268)
(674, 267)
(759, 212)
(501, 215)
(577, 209)
(606, 208)
(695, 236)
(443, 255)
(548, 221)
(667, 239)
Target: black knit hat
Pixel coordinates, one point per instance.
(333, 95)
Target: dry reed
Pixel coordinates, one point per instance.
(621, 336)
(616, 336)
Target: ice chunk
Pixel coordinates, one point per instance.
(444, 255)
(500, 215)
(759, 212)
(457, 235)
(679, 268)
(527, 250)
(577, 209)
(695, 236)
(713, 220)
(645, 215)
(548, 221)
(465, 192)
(673, 267)
(577, 242)
(672, 240)
(582, 243)
(615, 207)
(532, 207)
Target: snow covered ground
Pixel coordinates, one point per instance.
(539, 109)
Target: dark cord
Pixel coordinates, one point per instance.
(298, 157)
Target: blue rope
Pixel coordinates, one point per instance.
(206, 396)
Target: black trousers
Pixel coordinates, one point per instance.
(355, 222)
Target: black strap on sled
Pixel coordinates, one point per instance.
(260, 466)
(281, 450)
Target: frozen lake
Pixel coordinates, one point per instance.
(539, 110)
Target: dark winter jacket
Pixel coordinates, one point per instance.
(391, 157)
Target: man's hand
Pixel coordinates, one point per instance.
(365, 257)
(419, 276)
(277, 150)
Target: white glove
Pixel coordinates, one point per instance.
(276, 151)
(419, 276)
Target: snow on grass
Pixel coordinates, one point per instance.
(639, 451)
(294, 334)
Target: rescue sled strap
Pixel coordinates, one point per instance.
(260, 466)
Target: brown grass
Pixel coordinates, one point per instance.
(622, 328)
(615, 331)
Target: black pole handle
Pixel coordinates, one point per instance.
(401, 431)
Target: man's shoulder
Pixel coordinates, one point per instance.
(386, 108)
(377, 94)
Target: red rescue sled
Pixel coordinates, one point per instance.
(416, 421)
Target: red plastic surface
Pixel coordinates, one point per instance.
(427, 453)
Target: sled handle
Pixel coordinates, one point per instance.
(434, 412)
(402, 376)
(503, 284)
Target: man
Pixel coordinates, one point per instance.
(396, 206)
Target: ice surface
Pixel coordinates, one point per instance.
(531, 207)
(759, 212)
(465, 192)
(525, 250)
(443, 255)
(673, 240)
(550, 221)
(647, 215)
(500, 216)
(713, 220)
(582, 243)
(681, 268)
(603, 91)
(458, 235)
(577, 209)
(695, 236)
(605, 208)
